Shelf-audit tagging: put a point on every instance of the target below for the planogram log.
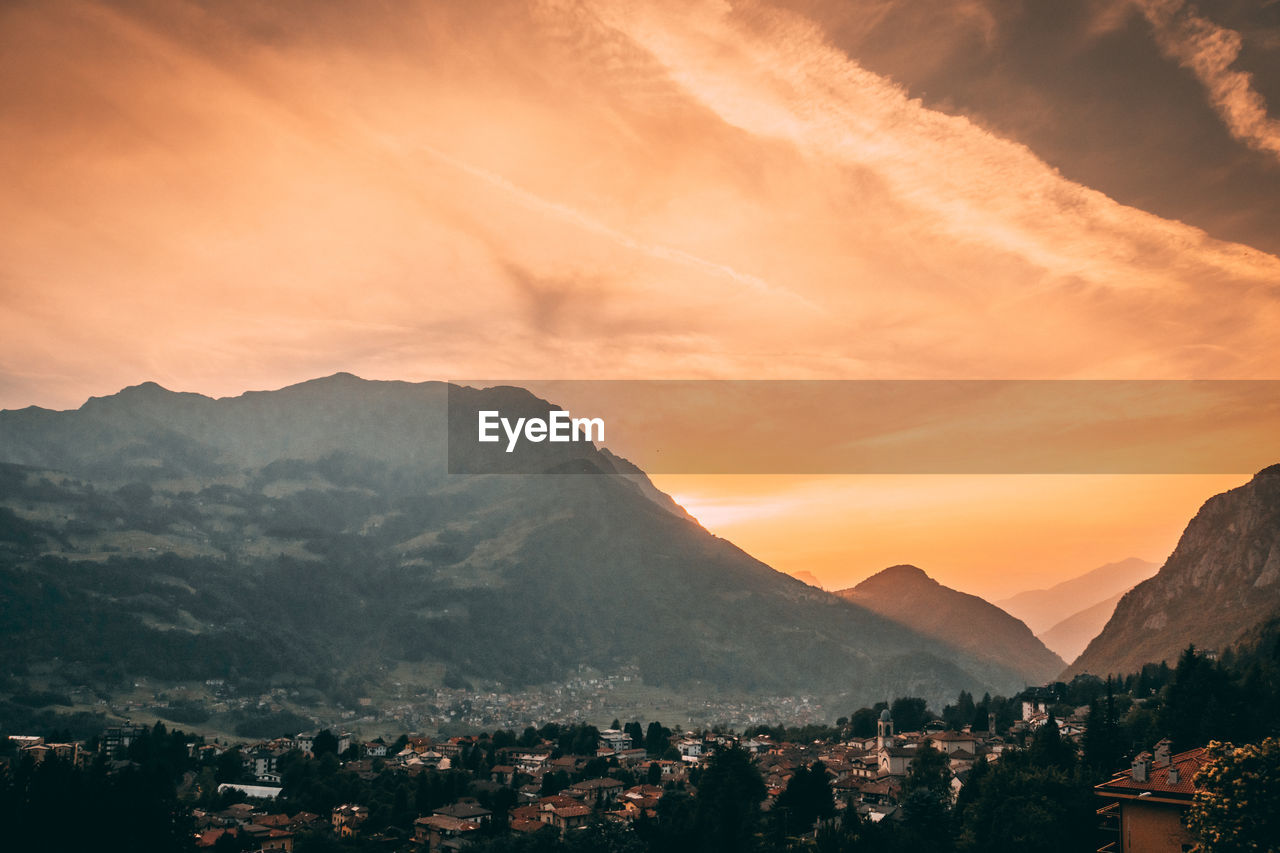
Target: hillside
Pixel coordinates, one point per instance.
(1069, 637)
(1041, 609)
(315, 531)
(910, 597)
(1220, 583)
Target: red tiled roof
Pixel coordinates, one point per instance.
(572, 811)
(1188, 763)
(445, 823)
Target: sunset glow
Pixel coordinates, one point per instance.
(235, 196)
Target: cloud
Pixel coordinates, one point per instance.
(1209, 51)
(239, 195)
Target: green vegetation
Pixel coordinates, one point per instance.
(1237, 804)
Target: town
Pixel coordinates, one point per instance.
(892, 776)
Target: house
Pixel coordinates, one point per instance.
(210, 837)
(347, 819)
(1144, 805)
(267, 838)
(631, 757)
(563, 813)
(467, 810)
(262, 762)
(531, 760)
(1034, 707)
(116, 738)
(258, 792)
(949, 742)
(894, 760)
(615, 740)
(442, 832)
(596, 792)
(690, 750)
(373, 750)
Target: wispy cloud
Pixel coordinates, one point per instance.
(243, 195)
(1209, 51)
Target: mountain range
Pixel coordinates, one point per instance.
(908, 596)
(1221, 582)
(1070, 636)
(315, 533)
(1043, 609)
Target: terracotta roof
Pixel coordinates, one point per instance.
(463, 810)
(557, 801)
(590, 784)
(1188, 763)
(572, 811)
(444, 823)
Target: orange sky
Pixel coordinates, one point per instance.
(242, 195)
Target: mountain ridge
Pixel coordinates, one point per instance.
(274, 505)
(1041, 609)
(1222, 580)
(909, 596)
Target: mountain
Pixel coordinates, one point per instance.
(1042, 609)
(1220, 583)
(808, 577)
(315, 534)
(1069, 637)
(910, 597)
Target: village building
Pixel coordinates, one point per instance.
(347, 820)
(442, 832)
(615, 740)
(466, 810)
(1145, 804)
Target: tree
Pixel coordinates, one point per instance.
(1048, 749)
(1015, 805)
(1103, 749)
(807, 798)
(657, 739)
(910, 713)
(728, 802)
(926, 801)
(1237, 801)
(325, 742)
(863, 723)
(230, 766)
(553, 783)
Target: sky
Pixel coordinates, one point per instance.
(223, 196)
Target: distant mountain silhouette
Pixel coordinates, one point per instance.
(910, 597)
(808, 577)
(316, 531)
(1042, 609)
(1069, 637)
(1221, 582)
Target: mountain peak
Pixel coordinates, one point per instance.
(907, 595)
(142, 391)
(903, 573)
(144, 394)
(1221, 581)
